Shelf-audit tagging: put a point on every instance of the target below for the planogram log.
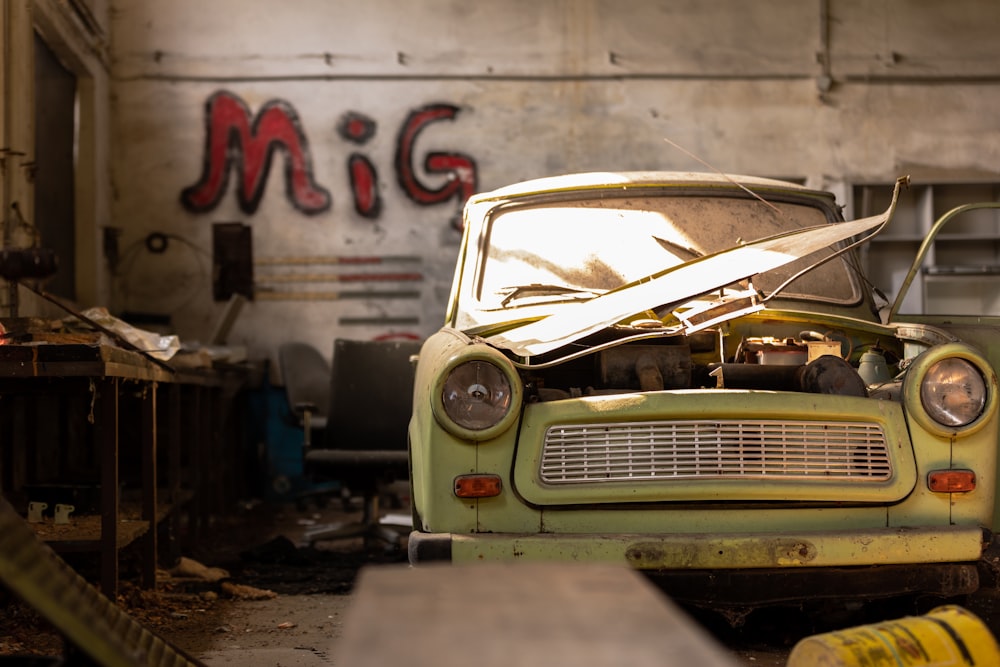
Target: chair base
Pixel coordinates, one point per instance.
(371, 532)
(368, 528)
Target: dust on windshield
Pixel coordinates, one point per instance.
(576, 250)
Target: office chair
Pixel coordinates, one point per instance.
(306, 375)
(371, 397)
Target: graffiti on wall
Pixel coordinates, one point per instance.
(461, 169)
(237, 141)
(358, 128)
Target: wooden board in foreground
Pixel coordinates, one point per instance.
(519, 614)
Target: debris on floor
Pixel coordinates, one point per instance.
(190, 568)
(243, 592)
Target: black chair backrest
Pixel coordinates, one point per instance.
(371, 394)
(306, 375)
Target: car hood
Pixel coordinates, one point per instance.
(680, 284)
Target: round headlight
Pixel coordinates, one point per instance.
(476, 395)
(953, 392)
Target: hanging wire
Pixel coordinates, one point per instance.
(158, 243)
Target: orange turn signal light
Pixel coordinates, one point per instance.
(477, 486)
(951, 481)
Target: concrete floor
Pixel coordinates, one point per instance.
(309, 620)
(302, 628)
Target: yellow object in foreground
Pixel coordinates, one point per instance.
(947, 636)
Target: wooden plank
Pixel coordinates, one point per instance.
(45, 360)
(106, 438)
(80, 338)
(53, 352)
(83, 534)
(84, 530)
(524, 614)
(148, 445)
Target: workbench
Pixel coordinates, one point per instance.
(95, 414)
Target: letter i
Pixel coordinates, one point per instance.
(358, 128)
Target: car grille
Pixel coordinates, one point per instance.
(714, 449)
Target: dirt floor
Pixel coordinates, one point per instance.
(255, 585)
(252, 582)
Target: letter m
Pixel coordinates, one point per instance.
(233, 141)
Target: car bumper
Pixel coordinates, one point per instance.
(682, 551)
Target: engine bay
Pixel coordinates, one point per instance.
(806, 361)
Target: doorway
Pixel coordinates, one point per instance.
(56, 122)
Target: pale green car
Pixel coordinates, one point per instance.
(690, 374)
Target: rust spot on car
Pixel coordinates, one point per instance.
(644, 553)
(709, 553)
(800, 552)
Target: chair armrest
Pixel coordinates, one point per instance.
(304, 407)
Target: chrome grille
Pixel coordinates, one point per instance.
(714, 449)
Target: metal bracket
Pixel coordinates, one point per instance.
(63, 512)
(35, 512)
(5, 151)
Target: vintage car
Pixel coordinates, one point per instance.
(691, 374)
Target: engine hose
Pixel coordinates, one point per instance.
(86, 618)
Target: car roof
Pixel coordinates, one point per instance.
(644, 179)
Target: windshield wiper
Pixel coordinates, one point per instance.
(540, 290)
(683, 253)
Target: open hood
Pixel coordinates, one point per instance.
(680, 284)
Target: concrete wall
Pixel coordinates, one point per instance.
(424, 102)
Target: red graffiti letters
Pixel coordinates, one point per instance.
(233, 143)
(460, 168)
(236, 140)
(358, 128)
(364, 185)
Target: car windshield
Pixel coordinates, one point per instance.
(578, 250)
